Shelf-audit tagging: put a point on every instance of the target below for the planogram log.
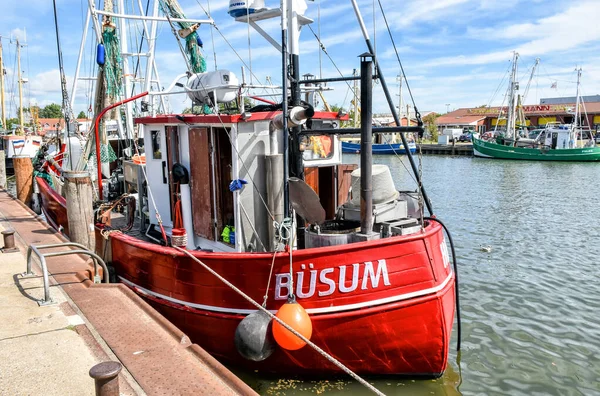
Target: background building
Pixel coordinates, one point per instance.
(483, 119)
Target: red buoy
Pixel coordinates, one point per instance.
(296, 317)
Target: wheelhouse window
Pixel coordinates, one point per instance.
(156, 154)
(317, 147)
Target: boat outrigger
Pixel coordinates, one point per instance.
(229, 195)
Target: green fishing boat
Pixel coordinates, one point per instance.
(556, 142)
(491, 149)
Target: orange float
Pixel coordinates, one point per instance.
(296, 317)
(139, 159)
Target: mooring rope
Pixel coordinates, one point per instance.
(327, 356)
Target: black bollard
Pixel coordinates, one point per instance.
(106, 378)
(9, 241)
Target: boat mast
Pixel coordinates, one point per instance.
(22, 131)
(577, 100)
(126, 73)
(66, 104)
(284, 109)
(512, 99)
(2, 87)
(297, 168)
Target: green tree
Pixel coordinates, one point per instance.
(11, 122)
(337, 109)
(81, 115)
(429, 121)
(53, 110)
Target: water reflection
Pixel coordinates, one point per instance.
(530, 305)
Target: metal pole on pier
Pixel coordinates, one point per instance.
(24, 177)
(80, 211)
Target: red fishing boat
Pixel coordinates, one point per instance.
(373, 274)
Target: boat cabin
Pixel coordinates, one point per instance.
(221, 173)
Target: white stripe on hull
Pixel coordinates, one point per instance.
(340, 308)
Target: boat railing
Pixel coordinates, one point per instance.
(42, 257)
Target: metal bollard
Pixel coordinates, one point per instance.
(9, 241)
(106, 378)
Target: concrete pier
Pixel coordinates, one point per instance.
(50, 350)
(446, 149)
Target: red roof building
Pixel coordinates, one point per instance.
(483, 119)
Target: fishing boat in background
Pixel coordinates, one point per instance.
(556, 142)
(226, 205)
(20, 141)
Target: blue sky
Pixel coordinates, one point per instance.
(455, 52)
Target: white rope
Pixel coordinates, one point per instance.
(327, 356)
(252, 226)
(266, 297)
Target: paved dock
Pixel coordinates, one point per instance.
(49, 349)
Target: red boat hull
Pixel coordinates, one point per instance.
(400, 328)
(54, 206)
(382, 307)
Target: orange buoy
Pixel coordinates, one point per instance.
(296, 317)
(139, 159)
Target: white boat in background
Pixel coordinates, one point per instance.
(19, 145)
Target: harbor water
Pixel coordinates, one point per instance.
(528, 248)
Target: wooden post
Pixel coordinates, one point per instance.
(2, 168)
(80, 211)
(24, 177)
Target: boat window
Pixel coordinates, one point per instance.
(317, 147)
(156, 154)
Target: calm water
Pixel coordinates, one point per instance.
(531, 306)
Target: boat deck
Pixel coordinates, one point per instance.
(157, 355)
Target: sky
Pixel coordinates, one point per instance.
(455, 53)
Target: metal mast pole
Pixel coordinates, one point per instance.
(80, 57)
(355, 100)
(151, 44)
(284, 109)
(512, 103)
(391, 104)
(294, 77)
(366, 148)
(20, 87)
(400, 109)
(577, 100)
(2, 87)
(126, 73)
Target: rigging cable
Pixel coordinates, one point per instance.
(455, 266)
(327, 356)
(66, 104)
(212, 36)
(417, 114)
(249, 41)
(214, 25)
(137, 65)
